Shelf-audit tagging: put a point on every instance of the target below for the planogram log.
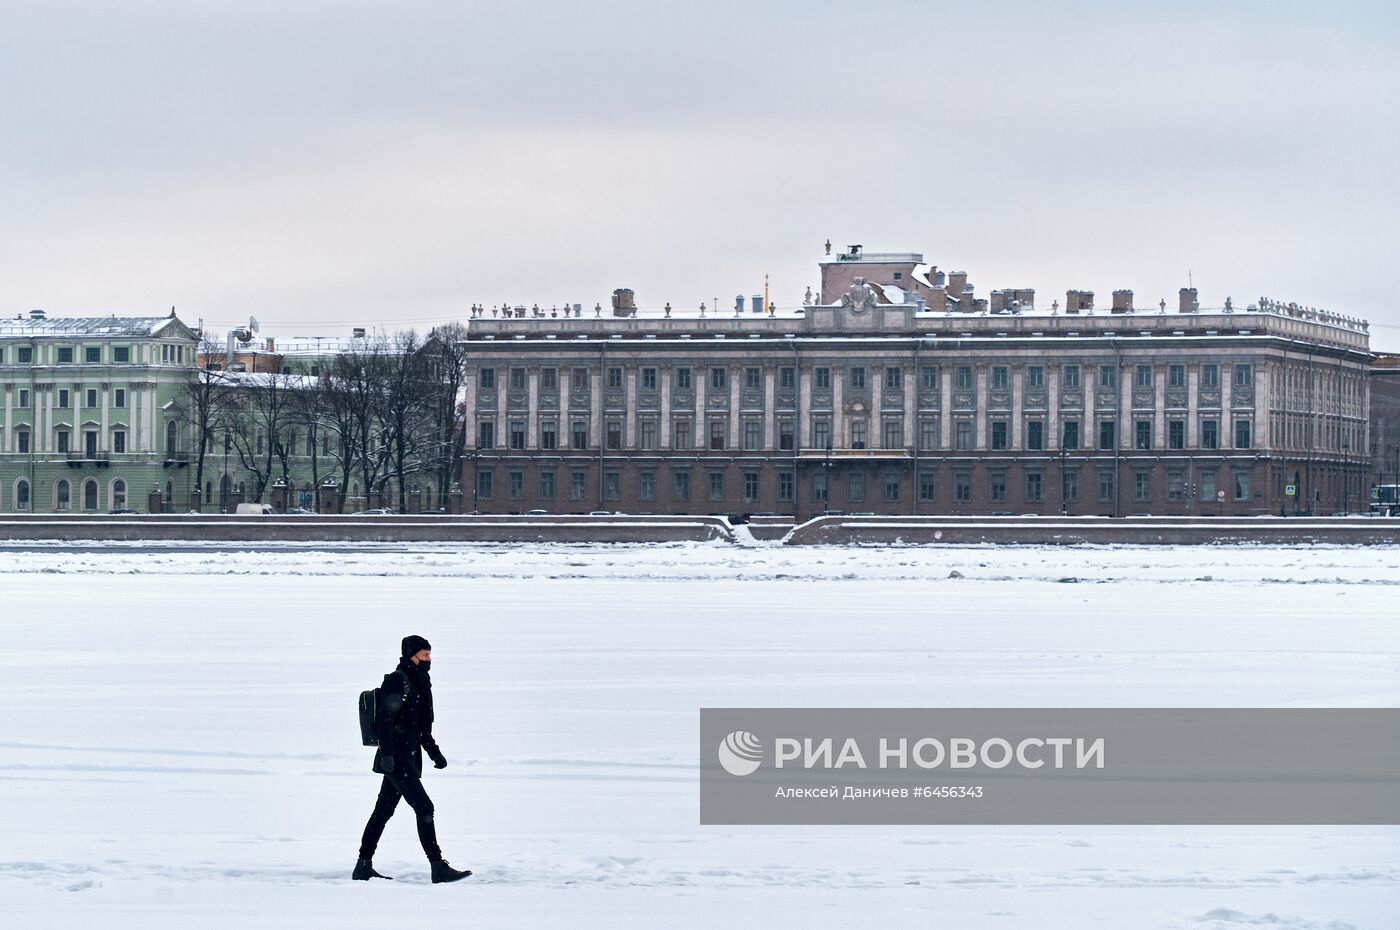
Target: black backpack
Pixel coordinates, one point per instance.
(370, 712)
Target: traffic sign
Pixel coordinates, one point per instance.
(1290, 490)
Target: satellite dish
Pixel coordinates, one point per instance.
(253, 323)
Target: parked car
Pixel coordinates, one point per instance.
(261, 510)
(123, 510)
(537, 513)
(376, 512)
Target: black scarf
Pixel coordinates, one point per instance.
(424, 686)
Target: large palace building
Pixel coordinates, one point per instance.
(898, 391)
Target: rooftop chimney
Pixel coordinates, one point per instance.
(1123, 301)
(1186, 300)
(624, 302)
(1078, 301)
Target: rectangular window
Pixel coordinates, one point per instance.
(1241, 485)
(517, 379)
(1243, 434)
(894, 379)
(680, 485)
(65, 355)
(750, 485)
(819, 485)
(718, 379)
(1142, 485)
(310, 445)
(1107, 434)
(1035, 435)
(1070, 440)
(1034, 486)
(22, 438)
(578, 435)
(890, 486)
(486, 435)
(928, 378)
(1207, 485)
(612, 486)
(821, 379)
(821, 433)
(118, 440)
(1108, 376)
(517, 434)
(858, 378)
(92, 354)
(578, 380)
(517, 485)
(928, 434)
(63, 399)
(1210, 434)
(962, 486)
(578, 485)
(785, 486)
(1142, 434)
(855, 486)
(1143, 376)
(1244, 375)
(549, 379)
(996, 485)
(1176, 376)
(484, 488)
(963, 433)
(753, 434)
(549, 434)
(682, 379)
(614, 434)
(893, 437)
(1107, 486)
(488, 379)
(547, 485)
(858, 434)
(24, 355)
(23, 398)
(1035, 376)
(999, 435)
(753, 378)
(646, 485)
(1176, 434)
(91, 398)
(648, 379)
(682, 435)
(964, 376)
(926, 485)
(1069, 485)
(787, 378)
(1176, 485)
(614, 378)
(649, 433)
(787, 435)
(999, 376)
(717, 431)
(716, 485)
(1210, 376)
(119, 397)
(1070, 376)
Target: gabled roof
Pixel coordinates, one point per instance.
(168, 326)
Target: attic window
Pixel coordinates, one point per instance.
(898, 275)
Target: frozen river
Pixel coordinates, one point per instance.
(180, 748)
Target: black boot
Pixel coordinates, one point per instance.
(364, 871)
(442, 872)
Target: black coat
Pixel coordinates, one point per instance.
(406, 726)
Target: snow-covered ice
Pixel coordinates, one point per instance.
(180, 751)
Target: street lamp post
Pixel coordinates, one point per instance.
(1346, 481)
(1064, 481)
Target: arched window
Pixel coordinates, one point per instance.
(22, 495)
(61, 496)
(171, 435)
(89, 495)
(118, 494)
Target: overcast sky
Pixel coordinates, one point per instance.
(322, 165)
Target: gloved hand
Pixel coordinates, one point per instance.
(439, 760)
(386, 762)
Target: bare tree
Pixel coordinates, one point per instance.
(445, 355)
(206, 397)
(259, 424)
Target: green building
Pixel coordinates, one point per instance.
(93, 415)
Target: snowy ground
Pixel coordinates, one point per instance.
(179, 748)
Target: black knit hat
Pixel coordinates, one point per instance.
(412, 645)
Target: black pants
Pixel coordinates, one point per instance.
(409, 787)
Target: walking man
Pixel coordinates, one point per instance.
(405, 728)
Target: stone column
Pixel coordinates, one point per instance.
(629, 423)
(838, 414)
(1052, 409)
(532, 410)
(804, 407)
(1193, 379)
(1017, 380)
(700, 431)
(564, 432)
(770, 398)
(502, 408)
(945, 413)
(736, 374)
(1159, 409)
(664, 429)
(875, 437)
(469, 408)
(979, 432)
(910, 380)
(595, 422)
